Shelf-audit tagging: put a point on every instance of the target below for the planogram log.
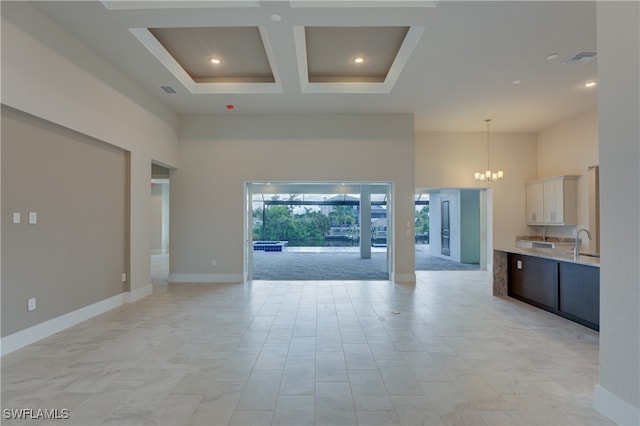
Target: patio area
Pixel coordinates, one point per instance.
(326, 263)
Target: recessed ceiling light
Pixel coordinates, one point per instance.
(275, 17)
(215, 61)
(553, 56)
(358, 60)
(590, 84)
(516, 82)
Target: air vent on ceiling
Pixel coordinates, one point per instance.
(168, 89)
(580, 58)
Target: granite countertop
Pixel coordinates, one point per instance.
(554, 254)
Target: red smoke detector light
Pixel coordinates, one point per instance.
(230, 107)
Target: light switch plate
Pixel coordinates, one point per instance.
(16, 217)
(519, 264)
(31, 304)
(33, 218)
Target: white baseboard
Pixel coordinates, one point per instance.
(616, 409)
(405, 278)
(206, 278)
(30, 335)
(139, 293)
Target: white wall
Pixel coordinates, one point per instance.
(569, 148)
(220, 154)
(618, 393)
(48, 73)
(448, 160)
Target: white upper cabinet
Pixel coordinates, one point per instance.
(535, 202)
(552, 201)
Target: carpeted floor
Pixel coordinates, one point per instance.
(427, 262)
(296, 264)
(291, 265)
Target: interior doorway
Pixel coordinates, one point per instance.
(445, 228)
(160, 202)
(452, 229)
(318, 230)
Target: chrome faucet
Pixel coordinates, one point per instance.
(543, 230)
(576, 248)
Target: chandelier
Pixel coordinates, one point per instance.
(488, 174)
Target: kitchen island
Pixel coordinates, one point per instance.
(551, 280)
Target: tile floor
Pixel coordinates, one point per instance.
(314, 352)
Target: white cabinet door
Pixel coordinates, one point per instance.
(535, 201)
(554, 201)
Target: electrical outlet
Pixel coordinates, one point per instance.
(124, 277)
(213, 262)
(16, 217)
(31, 304)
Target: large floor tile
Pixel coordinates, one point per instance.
(314, 352)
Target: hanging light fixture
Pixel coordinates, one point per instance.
(488, 174)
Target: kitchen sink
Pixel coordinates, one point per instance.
(542, 244)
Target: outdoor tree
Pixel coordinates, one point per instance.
(422, 220)
(342, 215)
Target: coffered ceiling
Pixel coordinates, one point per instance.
(450, 63)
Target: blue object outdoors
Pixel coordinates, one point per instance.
(270, 245)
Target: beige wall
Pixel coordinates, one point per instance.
(75, 255)
(570, 148)
(618, 394)
(220, 154)
(448, 160)
(81, 91)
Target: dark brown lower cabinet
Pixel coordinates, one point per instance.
(579, 295)
(567, 289)
(533, 280)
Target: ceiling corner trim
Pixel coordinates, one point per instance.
(406, 49)
(300, 41)
(236, 88)
(164, 57)
(268, 48)
(152, 44)
(404, 53)
(363, 3)
(179, 4)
